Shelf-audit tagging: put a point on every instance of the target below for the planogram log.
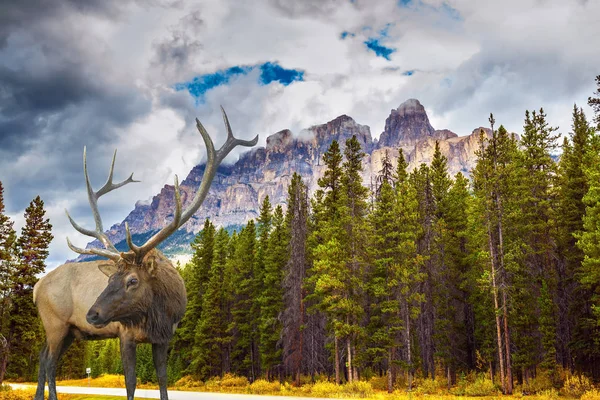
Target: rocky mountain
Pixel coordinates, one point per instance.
(238, 190)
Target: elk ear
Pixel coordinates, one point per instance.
(151, 265)
(108, 269)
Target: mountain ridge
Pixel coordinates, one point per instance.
(238, 189)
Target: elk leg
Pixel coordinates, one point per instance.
(53, 355)
(159, 355)
(39, 393)
(128, 347)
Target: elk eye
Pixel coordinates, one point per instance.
(132, 281)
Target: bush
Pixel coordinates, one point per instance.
(187, 382)
(549, 394)
(324, 389)
(379, 382)
(576, 385)
(482, 386)
(592, 394)
(261, 386)
(428, 386)
(230, 380)
(8, 394)
(357, 389)
(5, 388)
(541, 383)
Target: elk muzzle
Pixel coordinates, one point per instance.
(94, 318)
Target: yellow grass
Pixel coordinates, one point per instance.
(373, 390)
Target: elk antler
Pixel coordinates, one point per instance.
(180, 218)
(110, 251)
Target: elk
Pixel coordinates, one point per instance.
(137, 295)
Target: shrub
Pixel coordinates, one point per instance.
(5, 388)
(428, 386)
(324, 389)
(230, 380)
(379, 382)
(9, 394)
(187, 382)
(541, 383)
(576, 385)
(261, 386)
(592, 394)
(357, 389)
(482, 386)
(548, 394)
(110, 381)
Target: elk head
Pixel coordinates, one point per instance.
(137, 277)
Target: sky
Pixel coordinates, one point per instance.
(133, 75)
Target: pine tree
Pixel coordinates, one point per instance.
(572, 187)
(271, 298)
(196, 278)
(594, 102)
(589, 272)
(494, 181)
(293, 315)
(534, 226)
(328, 275)
(355, 224)
(22, 323)
(211, 337)
(244, 325)
(7, 258)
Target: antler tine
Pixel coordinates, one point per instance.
(140, 251)
(98, 252)
(214, 158)
(110, 252)
(231, 142)
(109, 186)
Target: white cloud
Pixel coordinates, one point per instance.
(496, 57)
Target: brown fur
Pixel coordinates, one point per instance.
(147, 314)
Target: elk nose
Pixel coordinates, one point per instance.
(92, 316)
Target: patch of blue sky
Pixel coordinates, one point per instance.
(269, 72)
(410, 72)
(380, 50)
(346, 34)
(273, 72)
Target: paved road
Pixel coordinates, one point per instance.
(154, 394)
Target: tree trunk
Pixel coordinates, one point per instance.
(337, 361)
(496, 308)
(349, 352)
(390, 379)
(509, 380)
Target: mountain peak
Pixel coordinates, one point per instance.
(406, 124)
(411, 106)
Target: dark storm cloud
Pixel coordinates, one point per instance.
(23, 14)
(56, 95)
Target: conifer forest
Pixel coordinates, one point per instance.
(418, 275)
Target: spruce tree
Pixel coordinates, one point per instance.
(294, 314)
(271, 297)
(195, 277)
(244, 325)
(589, 272)
(594, 102)
(22, 324)
(211, 337)
(328, 275)
(572, 187)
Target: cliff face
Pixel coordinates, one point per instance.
(238, 190)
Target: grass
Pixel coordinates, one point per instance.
(478, 386)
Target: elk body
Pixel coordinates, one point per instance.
(137, 296)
